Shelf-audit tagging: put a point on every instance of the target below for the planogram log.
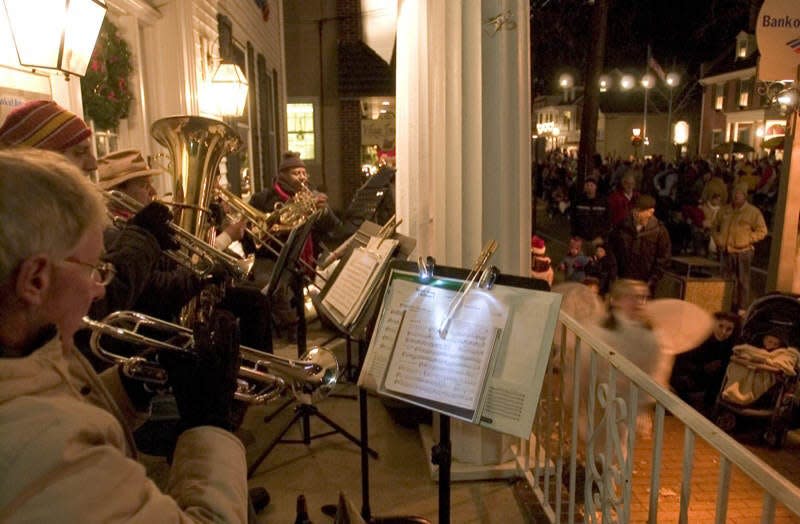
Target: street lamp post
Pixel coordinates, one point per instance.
(648, 81)
(672, 79)
(636, 141)
(565, 82)
(680, 137)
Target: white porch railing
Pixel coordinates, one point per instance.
(587, 467)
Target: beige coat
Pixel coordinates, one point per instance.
(67, 454)
(738, 229)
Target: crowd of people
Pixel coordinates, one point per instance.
(630, 217)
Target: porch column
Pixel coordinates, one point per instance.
(463, 129)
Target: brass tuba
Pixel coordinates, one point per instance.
(196, 146)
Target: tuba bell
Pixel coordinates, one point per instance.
(196, 146)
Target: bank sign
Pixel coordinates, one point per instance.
(778, 37)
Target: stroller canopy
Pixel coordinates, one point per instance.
(770, 313)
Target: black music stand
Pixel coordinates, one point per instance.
(288, 261)
(441, 454)
(360, 332)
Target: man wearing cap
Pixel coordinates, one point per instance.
(43, 124)
(641, 244)
(590, 215)
(736, 228)
(169, 287)
(292, 178)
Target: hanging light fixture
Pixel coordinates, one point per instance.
(229, 89)
(55, 34)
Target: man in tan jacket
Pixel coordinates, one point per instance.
(65, 439)
(736, 228)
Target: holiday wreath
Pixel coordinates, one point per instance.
(105, 88)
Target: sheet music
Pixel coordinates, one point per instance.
(448, 370)
(349, 285)
(350, 290)
(489, 373)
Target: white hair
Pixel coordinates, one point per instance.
(46, 206)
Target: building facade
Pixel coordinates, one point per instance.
(734, 105)
(175, 47)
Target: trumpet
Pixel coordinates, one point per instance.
(194, 253)
(262, 377)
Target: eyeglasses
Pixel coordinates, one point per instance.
(102, 272)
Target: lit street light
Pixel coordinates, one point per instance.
(680, 136)
(605, 83)
(627, 82)
(636, 141)
(565, 82)
(672, 80)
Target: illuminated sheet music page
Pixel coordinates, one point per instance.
(490, 368)
(447, 370)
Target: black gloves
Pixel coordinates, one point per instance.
(220, 273)
(204, 386)
(138, 392)
(155, 218)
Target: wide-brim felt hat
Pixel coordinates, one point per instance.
(120, 166)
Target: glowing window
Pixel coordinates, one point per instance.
(719, 97)
(300, 125)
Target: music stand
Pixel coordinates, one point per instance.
(522, 299)
(288, 260)
(360, 331)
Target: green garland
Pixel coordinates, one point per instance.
(105, 87)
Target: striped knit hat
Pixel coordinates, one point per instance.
(43, 124)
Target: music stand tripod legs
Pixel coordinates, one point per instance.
(304, 410)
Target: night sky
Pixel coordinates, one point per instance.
(680, 32)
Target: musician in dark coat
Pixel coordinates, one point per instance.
(171, 286)
(292, 179)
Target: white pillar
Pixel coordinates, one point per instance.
(463, 147)
(463, 130)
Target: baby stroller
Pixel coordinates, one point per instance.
(772, 313)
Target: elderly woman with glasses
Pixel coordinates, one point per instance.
(65, 438)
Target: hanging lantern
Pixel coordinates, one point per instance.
(55, 34)
(228, 89)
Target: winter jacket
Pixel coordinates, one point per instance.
(644, 254)
(167, 287)
(590, 218)
(68, 455)
(620, 206)
(736, 230)
(134, 253)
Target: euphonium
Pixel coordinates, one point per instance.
(262, 377)
(196, 146)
